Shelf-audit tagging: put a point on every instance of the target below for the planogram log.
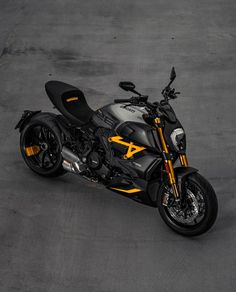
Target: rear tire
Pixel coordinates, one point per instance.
(207, 206)
(44, 135)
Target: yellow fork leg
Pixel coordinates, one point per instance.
(168, 163)
(183, 160)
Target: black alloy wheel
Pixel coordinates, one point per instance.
(197, 210)
(41, 146)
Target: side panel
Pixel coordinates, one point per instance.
(143, 166)
(140, 133)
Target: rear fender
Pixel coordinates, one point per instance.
(26, 117)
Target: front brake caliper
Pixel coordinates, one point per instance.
(165, 199)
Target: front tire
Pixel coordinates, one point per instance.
(197, 211)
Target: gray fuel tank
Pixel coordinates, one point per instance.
(113, 115)
(127, 121)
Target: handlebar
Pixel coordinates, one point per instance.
(169, 93)
(122, 100)
(140, 101)
(133, 99)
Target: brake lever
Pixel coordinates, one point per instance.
(174, 95)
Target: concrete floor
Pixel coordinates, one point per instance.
(67, 234)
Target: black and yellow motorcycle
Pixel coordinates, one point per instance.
(130, 146)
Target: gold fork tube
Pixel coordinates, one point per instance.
(183, 160)
(168, 163)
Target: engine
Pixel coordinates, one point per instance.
(93, 154)
(98, 157)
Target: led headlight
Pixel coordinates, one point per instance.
(178, 139)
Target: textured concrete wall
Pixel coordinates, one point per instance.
(67, 234)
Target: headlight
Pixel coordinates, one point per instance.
(178, 139)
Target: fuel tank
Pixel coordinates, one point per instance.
(126, 121)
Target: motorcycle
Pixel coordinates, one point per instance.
(130, 146)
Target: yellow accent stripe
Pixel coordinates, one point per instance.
(132, 149)
(127, 191)
(72, 99)
(32, 150)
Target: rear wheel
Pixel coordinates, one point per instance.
(41, 145)
(196, 212)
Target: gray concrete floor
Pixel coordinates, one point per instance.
(67, 234)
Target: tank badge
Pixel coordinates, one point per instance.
(127, 108)
(132, 149)
(71, 99)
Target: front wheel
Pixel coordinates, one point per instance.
(197, 210)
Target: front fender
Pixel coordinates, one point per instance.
(181, 173)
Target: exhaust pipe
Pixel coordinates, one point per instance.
(72, 162)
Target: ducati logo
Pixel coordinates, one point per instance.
(127, 108)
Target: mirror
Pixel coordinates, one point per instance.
(127, 85)
(172, 74)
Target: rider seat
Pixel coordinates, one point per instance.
(70, 101)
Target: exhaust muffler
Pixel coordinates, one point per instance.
(72, 162)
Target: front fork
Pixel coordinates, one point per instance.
(167, 160)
